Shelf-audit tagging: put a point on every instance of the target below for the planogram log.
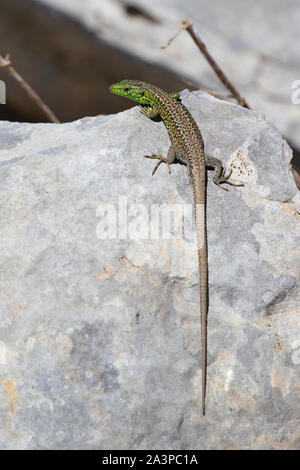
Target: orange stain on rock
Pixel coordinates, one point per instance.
(105, 274)
(11, 395)
(290, 208)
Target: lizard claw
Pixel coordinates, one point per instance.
(161, 160)
(225, 179)
(144, 111)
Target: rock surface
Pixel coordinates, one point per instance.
(100, 338)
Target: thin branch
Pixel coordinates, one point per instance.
(182, 27)
(296, 174)
(188, 26)
(5, 64)
(217, 94)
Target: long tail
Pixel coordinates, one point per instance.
(202, 257)
(200, 222)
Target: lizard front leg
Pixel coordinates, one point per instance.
(171, 157)
(151, 113)
(219, 176)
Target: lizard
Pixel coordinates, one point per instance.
(187, 148)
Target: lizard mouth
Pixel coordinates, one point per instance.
(112, 88)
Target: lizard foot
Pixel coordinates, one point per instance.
(161, 160)
(151, 113)
(225, 179)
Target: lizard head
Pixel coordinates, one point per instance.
(132, 89)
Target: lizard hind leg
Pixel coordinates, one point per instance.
(219, 175)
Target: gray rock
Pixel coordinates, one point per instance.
(100, 337)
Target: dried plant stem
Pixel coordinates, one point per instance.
(188, 26)
(5, 64)
(217, 94)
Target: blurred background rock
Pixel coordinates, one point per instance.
(71, 50)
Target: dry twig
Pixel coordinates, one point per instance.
(217, 94)
(5, 64)
(188, 26)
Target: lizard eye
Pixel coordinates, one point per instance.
(126, 89)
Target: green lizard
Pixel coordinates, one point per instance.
(187, 147)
